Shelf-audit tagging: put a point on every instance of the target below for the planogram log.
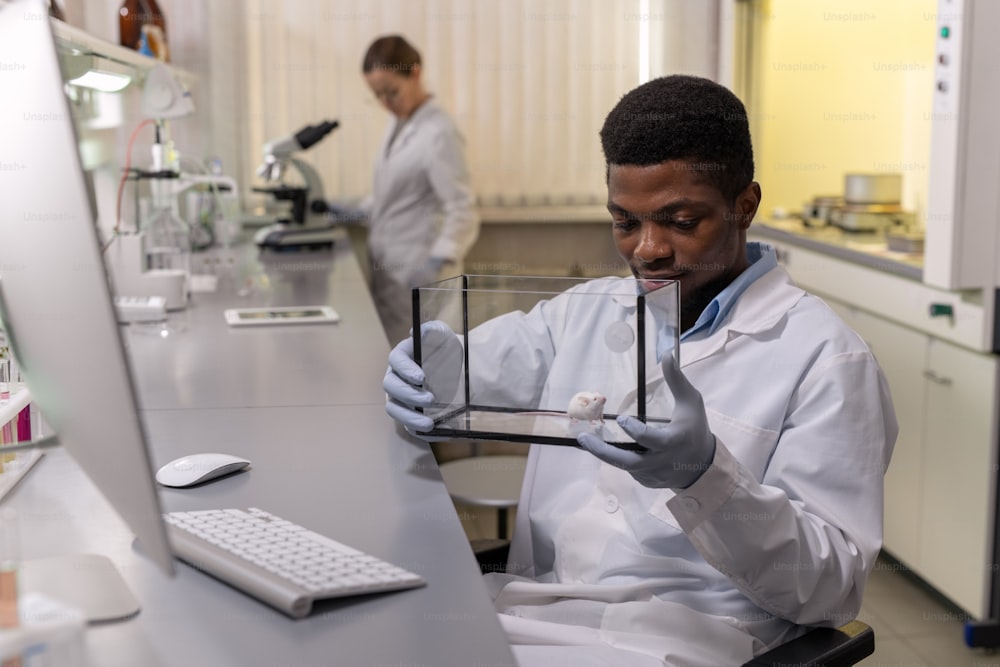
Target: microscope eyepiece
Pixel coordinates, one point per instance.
(311, 134)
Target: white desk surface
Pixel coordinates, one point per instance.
(205, 363)
(305, 405)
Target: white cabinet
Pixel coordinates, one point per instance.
(941, 484)
(901, 354)
(956, 543)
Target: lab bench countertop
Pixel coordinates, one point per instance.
(199, 361)
(865, 248)
(304, 403)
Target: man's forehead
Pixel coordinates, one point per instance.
(665, 179)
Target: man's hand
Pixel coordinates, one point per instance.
(408, 387)
(676, 453)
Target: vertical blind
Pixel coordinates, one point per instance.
(528, 81)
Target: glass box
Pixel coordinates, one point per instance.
(510, 357)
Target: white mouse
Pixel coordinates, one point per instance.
(197, 468)
(584, 406)
(587, 406)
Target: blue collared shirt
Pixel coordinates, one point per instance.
(762, 259)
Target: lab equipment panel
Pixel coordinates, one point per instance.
(543, 359)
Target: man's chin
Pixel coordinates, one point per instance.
(649, 284)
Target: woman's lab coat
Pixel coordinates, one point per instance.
(421, 206)
(782, 529)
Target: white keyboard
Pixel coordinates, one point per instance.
(279, 562)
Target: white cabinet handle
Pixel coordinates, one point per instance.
(937, 379)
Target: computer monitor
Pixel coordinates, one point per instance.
(55, 298)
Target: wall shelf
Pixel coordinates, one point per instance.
(74, 40)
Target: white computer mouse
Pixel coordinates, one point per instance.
(197, 468)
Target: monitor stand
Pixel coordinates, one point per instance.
(89, 583)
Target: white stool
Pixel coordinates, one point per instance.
(486, 481)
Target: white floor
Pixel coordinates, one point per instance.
(913, 626)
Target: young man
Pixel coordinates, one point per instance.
(758, 508)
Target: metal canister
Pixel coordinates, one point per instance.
(819, 212)
(879, 188)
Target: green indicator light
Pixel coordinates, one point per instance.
(941, 310)
(945, 32)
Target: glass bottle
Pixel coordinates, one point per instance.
(130, 20)
(55, 11)
(168, 241)
(166, 237)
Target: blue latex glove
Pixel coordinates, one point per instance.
(676, 453)
(408, 386)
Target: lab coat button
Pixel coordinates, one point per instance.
(690, 504)
(611, 504)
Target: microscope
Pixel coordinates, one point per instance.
(309, 224)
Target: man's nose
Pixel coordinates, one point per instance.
(654, 244)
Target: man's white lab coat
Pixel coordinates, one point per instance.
(782, 529)
(421, 206)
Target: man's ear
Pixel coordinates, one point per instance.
(747, 203)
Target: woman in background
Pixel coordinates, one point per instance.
(421, 215)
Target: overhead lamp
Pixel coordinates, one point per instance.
(106, 82)
(88, 70)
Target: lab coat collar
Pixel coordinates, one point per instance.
(765, 303)
(411, 123)
(760, 308)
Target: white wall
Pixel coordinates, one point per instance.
(528, 81)
(841, 86)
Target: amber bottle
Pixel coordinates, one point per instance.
(142, 20)
(130, 20)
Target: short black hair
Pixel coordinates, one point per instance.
(685, 118)
(391, 52)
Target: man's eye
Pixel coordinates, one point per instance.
(687, 223)
(623, 224)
